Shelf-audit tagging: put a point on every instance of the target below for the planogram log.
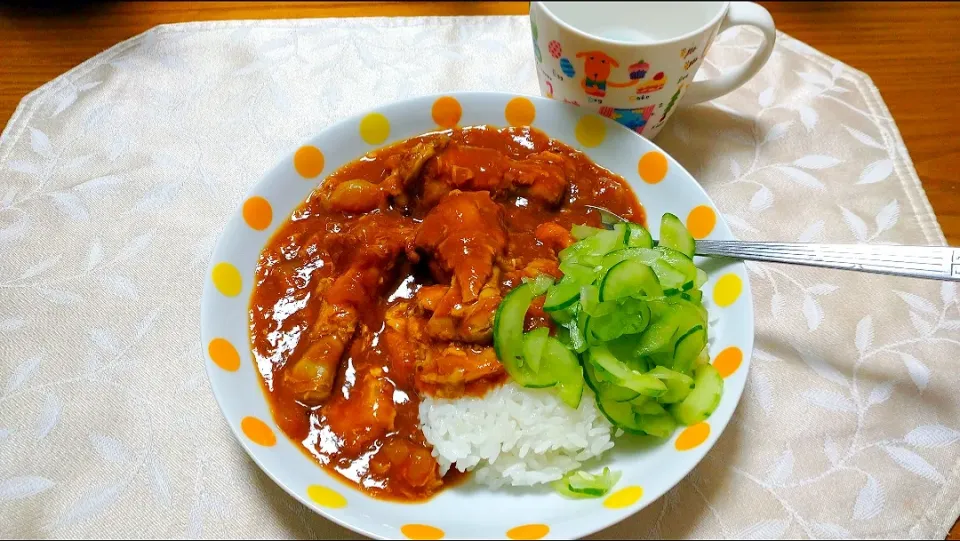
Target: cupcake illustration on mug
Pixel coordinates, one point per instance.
(639, 70)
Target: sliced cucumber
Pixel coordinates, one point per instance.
(624, 415)
(662, 358)
(562, 316)
(603, 377)
(627, 318)
(561, 295)
(620, 415)
(565, 293)
(590, 302)
(646, 256)
(533, 343)
(700, 279)
(623, 375)
(693, 313)
(678, 385)
(629, 278)
(590, 376)
(673, 234)
(591, 249)
(646, 406)
(508, 327)
(669, 277)
(508, 339)
(624, 348)
(582, 231)
(703, 399)
(702, 358)
(606, 389)
(689, 345)
(578, 340)
(639, 237)
(566, 368)
(631, 326)
(540, 284)
(659, 334)
(580, 484)
(680, 262)
(660, 426)
(581, 480)
(624, 232)
(581, 274)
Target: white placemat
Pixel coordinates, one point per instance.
(116, 177)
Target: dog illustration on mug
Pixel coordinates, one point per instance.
(596, 73)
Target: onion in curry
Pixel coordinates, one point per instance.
(382, 287)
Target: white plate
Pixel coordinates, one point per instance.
(468, 511)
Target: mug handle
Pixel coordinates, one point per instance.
(740, 13)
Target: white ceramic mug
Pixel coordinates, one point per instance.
(635, 61)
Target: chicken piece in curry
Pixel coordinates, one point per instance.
(382, 287)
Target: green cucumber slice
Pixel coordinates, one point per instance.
(646, 406)
(678, 385)
(540, 284)
(623, 375)
(629, 316)
(646, 256)
(562, 316)
(680, 262)
(623, 415)
(606, 389)
(620, 415)
(582, 231)
(624, 231)
(638, 236)
(659, 334)
(629, 278)
(567, 291)
(533, 343)
(624, 348)
(590, 302)
(702, 358)
(660, 426)
(582, 274)
(700, 279)
(703, 399)
(566, 368)
(508, 339)
(591, 249)
(669, 277)
(689, 345)
(580, 484)
(673, 234)
(561, 295)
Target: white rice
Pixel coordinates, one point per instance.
(514, 435)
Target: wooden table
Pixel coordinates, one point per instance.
(907, 47)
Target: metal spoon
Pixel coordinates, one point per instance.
(931, 262)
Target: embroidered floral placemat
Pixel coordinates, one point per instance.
(116, 178)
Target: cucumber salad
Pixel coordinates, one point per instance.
(630, 325)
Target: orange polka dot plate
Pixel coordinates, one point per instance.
(468, 510)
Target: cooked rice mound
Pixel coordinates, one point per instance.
(514, 436)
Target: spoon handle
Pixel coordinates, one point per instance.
(931, 262)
